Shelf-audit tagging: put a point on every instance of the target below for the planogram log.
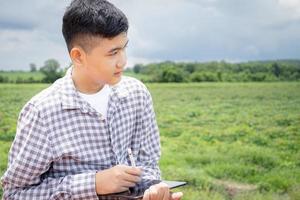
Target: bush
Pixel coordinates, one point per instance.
(171, 75)
(204, 77)
(3, 79)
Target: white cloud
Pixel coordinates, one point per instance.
(23, 47)
(292, 6)
(161, 30)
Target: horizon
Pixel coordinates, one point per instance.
(176, 62)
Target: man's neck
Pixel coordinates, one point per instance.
(83, 83)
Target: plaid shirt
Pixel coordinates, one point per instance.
(61, 141)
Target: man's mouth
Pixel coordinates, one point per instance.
(118, 73)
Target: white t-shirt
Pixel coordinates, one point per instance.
(99, 100)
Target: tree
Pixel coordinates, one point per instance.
(32, 67)
(190, 67)
(137, 68)
(51, 71)
(276, 69)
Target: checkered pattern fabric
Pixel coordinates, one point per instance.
(61, 141)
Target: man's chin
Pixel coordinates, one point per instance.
(115, 80)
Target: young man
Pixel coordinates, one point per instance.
(72, 138)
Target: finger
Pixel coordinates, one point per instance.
(160, 193)
(132, 178)
(127, 184)
(153, 193)
(166, 194)
(163, 191)
(122, 189)
(146, 195)
(176, 195)
(136, 171)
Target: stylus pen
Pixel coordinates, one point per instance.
(131, 157)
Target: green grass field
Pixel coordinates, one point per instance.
(13, 76)
(227, 140)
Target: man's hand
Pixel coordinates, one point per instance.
(161, 191)
(117, 179)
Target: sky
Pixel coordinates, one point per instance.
(160, 30)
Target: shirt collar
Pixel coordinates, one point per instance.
(72, 100)
(70, 97)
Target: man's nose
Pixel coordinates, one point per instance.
(122, 60)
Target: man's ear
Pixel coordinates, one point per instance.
(78, 56)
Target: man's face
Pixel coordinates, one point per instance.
(105, 63)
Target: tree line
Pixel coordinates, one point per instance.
(255, 71)
(50, 71)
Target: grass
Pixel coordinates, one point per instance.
(13, 76)
(244, 133)
(12, 98)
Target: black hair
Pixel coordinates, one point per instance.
(85, 19)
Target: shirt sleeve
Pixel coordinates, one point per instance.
(30, 158)
(149, 153)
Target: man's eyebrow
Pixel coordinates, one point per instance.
(118, 48)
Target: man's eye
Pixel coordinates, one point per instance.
(114, 53)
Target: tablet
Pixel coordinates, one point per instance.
(137, 192)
